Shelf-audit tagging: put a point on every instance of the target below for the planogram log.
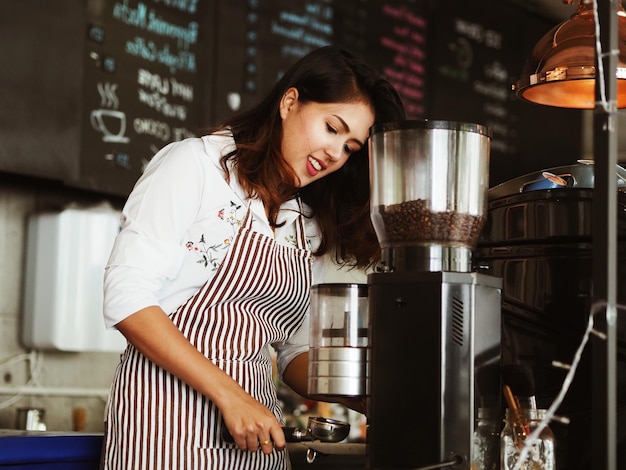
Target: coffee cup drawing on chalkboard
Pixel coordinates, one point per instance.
(104, 120)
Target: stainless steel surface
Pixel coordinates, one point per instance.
(338, 340)
(621, 171)
(546, 216)
(579, 176)
(429, 183)
(318, 428)
(338, 371)
(540, 215)
(327, 429)
(427, 258)
(436, 337)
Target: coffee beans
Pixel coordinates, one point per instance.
(413, 221)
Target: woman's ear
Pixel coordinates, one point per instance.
(288, 101)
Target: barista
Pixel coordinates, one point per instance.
(221, 240)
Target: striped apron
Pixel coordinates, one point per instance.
(259, 295)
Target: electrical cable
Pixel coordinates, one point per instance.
(569, 377)
(35, 366)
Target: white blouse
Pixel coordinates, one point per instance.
(177, 226)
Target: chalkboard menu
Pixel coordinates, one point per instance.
(258, 41)
(447, 59)
(392, 36)
(144, 79)
(102, 93)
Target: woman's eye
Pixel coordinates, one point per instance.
(348, 150)
(331, 129)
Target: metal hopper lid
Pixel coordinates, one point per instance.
(579, 176)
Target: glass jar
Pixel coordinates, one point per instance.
(541, 455)
(486, 440)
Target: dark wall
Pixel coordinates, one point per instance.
(448, 59)
(476, 57)
(41, 75)
(90, 89)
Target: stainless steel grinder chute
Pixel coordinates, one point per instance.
(434, 325)
(338, 340)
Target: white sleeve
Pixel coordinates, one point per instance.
(324, 270)
(150, 246)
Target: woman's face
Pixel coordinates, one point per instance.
(318, 138)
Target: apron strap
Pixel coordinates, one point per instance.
(300, 231)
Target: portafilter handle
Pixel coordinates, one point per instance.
(292, 434)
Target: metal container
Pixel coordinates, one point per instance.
(538, 238)
(576, 176)
(30, 419)
(554, 205)
(429, 182)
(338, 342)
(327, 429)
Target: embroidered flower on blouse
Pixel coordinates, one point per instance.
(206, 252)
(230, 216)
(291, 240)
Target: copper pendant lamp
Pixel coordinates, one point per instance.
(561, 70)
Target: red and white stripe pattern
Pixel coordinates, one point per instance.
(258, 296)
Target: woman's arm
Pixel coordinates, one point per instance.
(152, 332)
(296, 376)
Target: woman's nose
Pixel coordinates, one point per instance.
(334, 152)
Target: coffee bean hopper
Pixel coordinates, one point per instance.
(434, 325)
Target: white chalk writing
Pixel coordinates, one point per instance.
(146, 18)
(406, 42)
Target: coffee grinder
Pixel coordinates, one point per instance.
(434, 325)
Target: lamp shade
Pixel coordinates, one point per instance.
(561, 70)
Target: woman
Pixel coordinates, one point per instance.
(214, 264)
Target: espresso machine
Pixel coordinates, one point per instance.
(538, 238)
(434, 324)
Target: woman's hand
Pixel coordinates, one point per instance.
(251, 423)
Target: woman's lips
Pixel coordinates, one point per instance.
(313, 166)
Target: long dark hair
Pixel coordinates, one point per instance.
(339, 201)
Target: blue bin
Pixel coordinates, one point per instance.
(28, 450)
